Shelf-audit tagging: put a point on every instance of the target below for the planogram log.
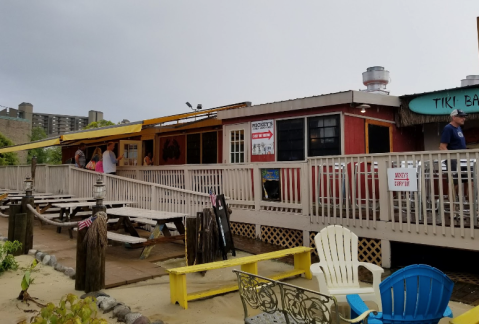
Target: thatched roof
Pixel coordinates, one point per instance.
(405, 117)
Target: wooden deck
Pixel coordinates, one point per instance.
(123, 266)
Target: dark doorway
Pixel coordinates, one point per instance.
(378, 139)
(148, 148)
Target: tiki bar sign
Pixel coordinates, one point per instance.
(442, 103)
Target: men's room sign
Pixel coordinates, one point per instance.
(262, 137)
(402, 179)
(443, 102)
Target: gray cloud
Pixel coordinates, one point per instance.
(144, 59)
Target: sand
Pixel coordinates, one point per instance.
(151, 297)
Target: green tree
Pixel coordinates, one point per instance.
(37, 134)
(10, 158)
(54, 155)
(99, 124)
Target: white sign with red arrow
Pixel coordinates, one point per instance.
(402, 179)
(262, 137)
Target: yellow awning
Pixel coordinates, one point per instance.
(191, 114)
(32, 145)
(101, 132)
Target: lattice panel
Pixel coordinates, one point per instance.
(369, 250)
(471, 278)
(243, 229)
(284, 237)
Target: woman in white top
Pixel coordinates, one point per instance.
(109, 159)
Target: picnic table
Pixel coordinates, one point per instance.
(161, 218)
(15, 198)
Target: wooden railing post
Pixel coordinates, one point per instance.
(187, 177)
(304, 193)
(257, 187)
(70, 180)
(47, 178)
(384, 202)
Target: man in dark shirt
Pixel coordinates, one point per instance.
(452, 138)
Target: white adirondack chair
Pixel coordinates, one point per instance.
(337, 270)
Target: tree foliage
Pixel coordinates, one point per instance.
(37, 134)
(48, 155)
(99, 124)
(10, 158)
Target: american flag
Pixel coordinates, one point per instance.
(86, 223)
(213, 198)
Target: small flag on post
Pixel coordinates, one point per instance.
(213, 198)
(86, 223)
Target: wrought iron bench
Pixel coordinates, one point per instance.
(294, 305)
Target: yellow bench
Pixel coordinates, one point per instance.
(178, 293)
(469, 317)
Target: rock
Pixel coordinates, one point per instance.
(59, 267)
(4, 239)
(100, 299)
(95, 294)
(32, 252)
(53, 261)
(120, 312)
(39, 256)
(70, 272)
(46, 259)
(132, 317)
(142, 320)
(108, 304)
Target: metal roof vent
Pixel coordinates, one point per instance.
(470, 80)
(375, 79)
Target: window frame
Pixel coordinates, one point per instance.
(239, 142)
(305, 117)
(339, 136)
(201, 146)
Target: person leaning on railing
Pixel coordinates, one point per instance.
(452, 138)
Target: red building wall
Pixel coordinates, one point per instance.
(354, 135)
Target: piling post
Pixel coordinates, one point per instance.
(20, 231)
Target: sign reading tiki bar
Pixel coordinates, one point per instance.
(443, 102)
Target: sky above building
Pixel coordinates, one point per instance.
(143, 59)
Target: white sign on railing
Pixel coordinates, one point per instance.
(402, 179)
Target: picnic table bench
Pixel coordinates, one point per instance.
(160, 217)
(178, 291)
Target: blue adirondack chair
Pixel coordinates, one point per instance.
(416, 294)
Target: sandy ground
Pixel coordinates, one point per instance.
(152, 297)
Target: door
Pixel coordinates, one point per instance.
(132, 154)
(378, 137)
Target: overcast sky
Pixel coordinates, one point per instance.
(145, 59)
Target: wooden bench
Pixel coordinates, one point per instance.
(293, 305)
(178, 291)
(124, 238)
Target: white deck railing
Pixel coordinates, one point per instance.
(350, 190)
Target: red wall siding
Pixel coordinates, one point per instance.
(354, 135)
(407, 139)
(220, 146)
(170, 142)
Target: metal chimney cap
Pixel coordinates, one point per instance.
(375, 68)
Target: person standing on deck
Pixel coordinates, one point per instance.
(148, 160)
(109, 159)
(452, 138)
(80, 159)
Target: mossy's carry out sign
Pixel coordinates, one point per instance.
(443, 102)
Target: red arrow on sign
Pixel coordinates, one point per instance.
(407, 179)
(267, 135)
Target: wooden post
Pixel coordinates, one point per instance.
(13, 211)
(190, 240)
(29, 227)
(95, 270)
(20, 231)
(80, 260)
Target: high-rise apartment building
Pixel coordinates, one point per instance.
(53, 124)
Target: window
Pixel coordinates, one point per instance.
(324, 136)
(237, 146)
(193, 145)
(290, 135)
(210, 147)
(202, 148)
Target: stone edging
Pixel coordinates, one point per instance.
(105, 303)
